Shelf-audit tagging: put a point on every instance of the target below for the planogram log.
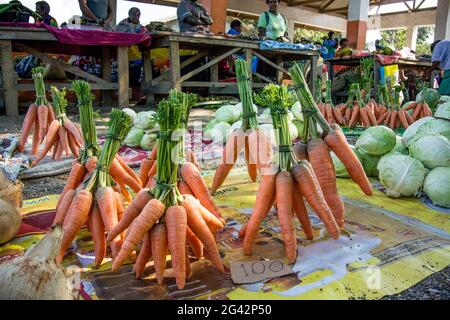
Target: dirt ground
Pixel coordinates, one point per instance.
(434, 287)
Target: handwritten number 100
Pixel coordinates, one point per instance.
(258, 268)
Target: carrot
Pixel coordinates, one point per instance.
(151, 213)
(393, 119)
(382, 118)
(194, 243)
(200, 229)
(188, 263)
(74, 130)
(97, 229)
(184, 188)
(72, 145)
(252, 168)
(409, 118)
(124, 191)
(310, 189)
(300, 151)
(264, 200)
(190, 156)
(338, 116)
(107, 204)
(42, 113)
(75, 218)
(131, 212)
(128, 169)
(51, 114)
(411, 106)
(348, 115)
(284, 187)
(329, 113)
(153, 154)
(59, 150)
(427, 110)
(118, 173)
(153, 169)
(211, 220)
(176, 226)
(27, 126)
(402, 117)
(301, 212)
(159, 250)
(144, 169)
(397, 121)
(323, 167)
(75, 177)
(52, 136)
(416, 111)
(337, 142)
(232, 149)
(36, 143)
(354, 116)
(144, 256)
(120, 205)
(63, 208)
(372, 118)
(322, 109)
(91, 164)
(260, 150)
(151, 183)
(62, 134)
(195, 181)
(387, 120)
(364, 118)
(242, 231)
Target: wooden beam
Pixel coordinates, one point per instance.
(262, 77)
(209, 64)
(270, 63)
(175, 65)
(58, 63)
(345, 9)
(106, 74)
(148, 75)
(419, 5)
(123, 77)
(326, 5)
(9, 80)
(60, 85)
(301, 3)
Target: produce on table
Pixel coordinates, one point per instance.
(437, 186)
(331, 113)
(148, 141)
(402, 175)
(35, 275)
(39, 115)
(219, 133)
(145, 120)
(435, 126)
(429, 96)
(63, 135)
(170, 216)
(443, 111)
(134, 137)
(94, 201)
(228, 114)
(432, 150)
(376, 141)
(10, 221)
(130, 112)
(411, 131)
(254, 142)
(369, 162)
(399, 146)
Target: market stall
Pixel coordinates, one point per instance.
(40, 41)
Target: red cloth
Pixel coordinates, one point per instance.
(386, 60)
(88, 37)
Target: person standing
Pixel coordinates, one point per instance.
(43, 9)
(272, 24)
(331, 45)
(192, 16)
(100, 12)
(441, 60)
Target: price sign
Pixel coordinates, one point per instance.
(255, 271)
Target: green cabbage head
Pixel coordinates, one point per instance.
(437, 186)
(433, 150)
(376, 141)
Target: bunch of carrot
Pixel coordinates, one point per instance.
(331, 113)
(94, 201)
(39, 115)
(167, 217)
(63, 135)
(255, 142)
(309, 178)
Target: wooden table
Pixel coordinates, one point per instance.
(356, 61)
(39, 43)
(216, 48)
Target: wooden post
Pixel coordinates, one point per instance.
(106, 75)
(148, 76)
(123, 76)
(175, 65)
(9, 81)
(279, 73)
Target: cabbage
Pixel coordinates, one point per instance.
(236, 125)
(130, 112)
(299, 125)
(431, 96)
(266, 111)
(290, 115)
(443, 111)
(399, 146)
(410, 132)
(134, 137)
(210, 125)
(437, 186)
(265, 118)
(239, 107)
(228, 113)
(219, 132)
(293, 130)
(376, 141)
(368, 162)
(402, 175)
(297, 111)
(435, 126)
(433, 150)
(339, 167)
(145, 120)
(148, 141)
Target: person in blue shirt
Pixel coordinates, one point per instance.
(235, 28)
(331, 44)
(441, 60)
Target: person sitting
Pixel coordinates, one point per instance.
(43, 9)
(272, 24)
(97, 11)
(344, 49)
(235, 28)
(131, 24)
(193, 17)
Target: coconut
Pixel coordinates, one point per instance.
(35, 275)
(9, 221)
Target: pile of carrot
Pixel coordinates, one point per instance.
(170, 216)
(329, 111)
(63, 135)
(94, 201)
(255, 142)
(304, 175)
(39, 115)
